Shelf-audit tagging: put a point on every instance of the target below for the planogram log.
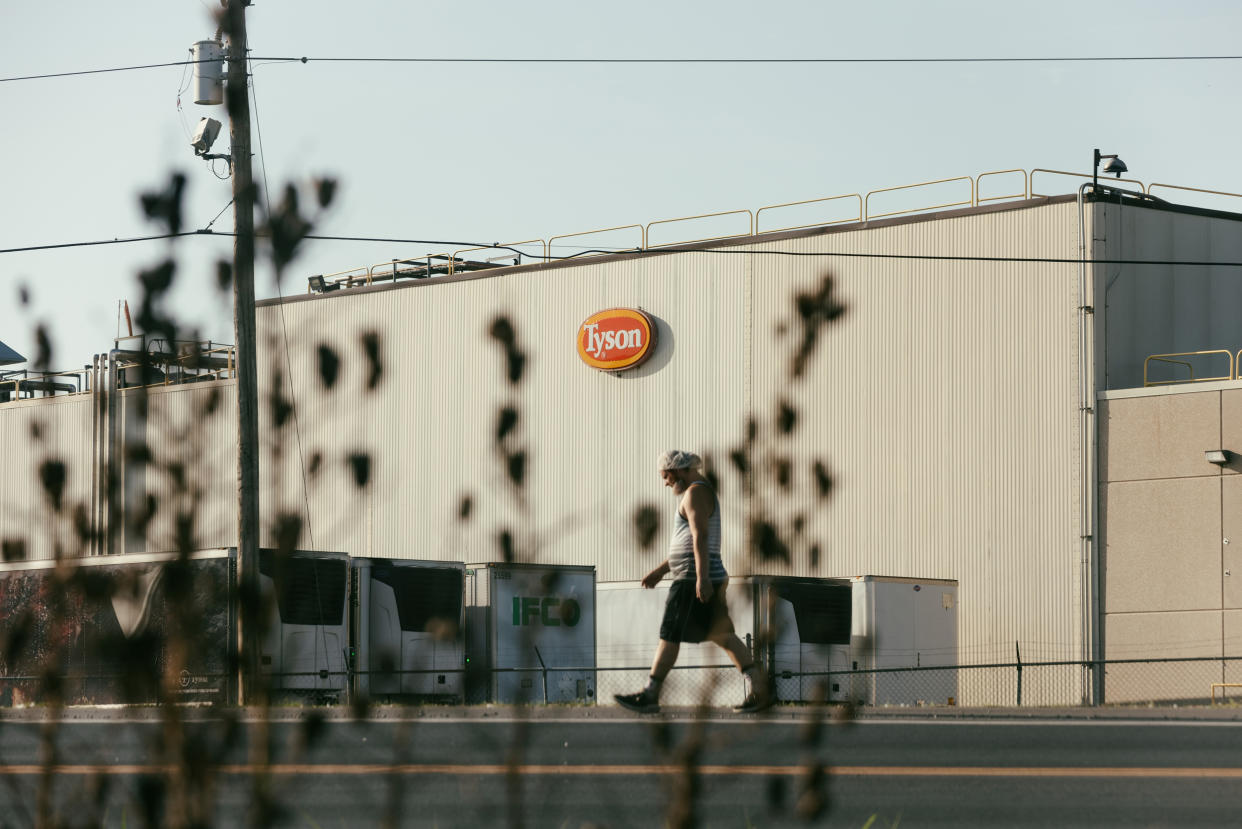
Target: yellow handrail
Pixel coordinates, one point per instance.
(750, 230)
(1149, 360)
(1035, 195)
(334, 279)
(1193, 190)
(642, 237)
(759, 212)
(542, 245)
(350, 277)
(230, 357)
(978, 187)
(37, 378)
(1167, 358)
(968, 203)
(424, 261)
(1222, 686)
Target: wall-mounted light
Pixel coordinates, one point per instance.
(1220, 457)
(1114, 165)
(317, 284)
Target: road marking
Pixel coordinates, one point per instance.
(638, 770)
(767, 722)
(1037, 771)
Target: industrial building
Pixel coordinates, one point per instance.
(1035, 396)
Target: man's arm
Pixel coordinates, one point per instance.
(653, 578)
(698, 506)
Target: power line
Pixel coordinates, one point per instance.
(731, 251)
(665, 61)
(284, 330)
(126, 241)
(1066, 59)
(96, 71)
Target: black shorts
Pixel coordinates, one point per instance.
(686, 619)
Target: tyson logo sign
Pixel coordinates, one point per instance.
(616, 339)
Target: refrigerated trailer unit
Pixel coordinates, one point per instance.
(304, 646)
(406, 628)
(901, 624)
(798, 628)
(530, 633)
(111, 621)
(105, 626)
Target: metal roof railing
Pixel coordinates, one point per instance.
(1035, 195)
(1153, 186)
(750, 228)
(506, 251)
(858, 217)
(189, 363)
(22, 382)
(438, 264)
(1171, 359)
(966, 203)
(642, 238)
(339, 279)
(1026, 188)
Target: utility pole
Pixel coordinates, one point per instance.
(237, 99)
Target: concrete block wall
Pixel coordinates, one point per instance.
(1171, 538)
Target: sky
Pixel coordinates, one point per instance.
(499, 152)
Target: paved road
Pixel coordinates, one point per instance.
(600, 768)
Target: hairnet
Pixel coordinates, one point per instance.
(677, 459)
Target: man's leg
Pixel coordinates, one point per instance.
(760, 696)
(665, 658)
(735, 648)
(647, 701)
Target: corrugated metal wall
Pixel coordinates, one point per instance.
(191, 435)
(945, 403)
(1162, 309)
(429, 424)
(33, 432)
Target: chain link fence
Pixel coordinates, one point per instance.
(1187, 680)
(1166, 681)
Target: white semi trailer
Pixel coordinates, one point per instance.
(406, 637)
(109, 623)
(901, 624)
(797, 627)
(834, 639)
(304, 647)
(530, 633)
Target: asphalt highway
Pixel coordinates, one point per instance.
(603, 768)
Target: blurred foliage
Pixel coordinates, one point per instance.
(58, 639)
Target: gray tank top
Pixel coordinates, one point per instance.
(681, 545)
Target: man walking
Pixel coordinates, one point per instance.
(696, 609)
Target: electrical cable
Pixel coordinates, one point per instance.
(314, 562)
(218, 215)
(62, 245)
(323, 634)
(181, 88)
(665, 61)
(925, 257)
(95, 71)
(284, 328)
(1070, 59)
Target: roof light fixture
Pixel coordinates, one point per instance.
(1113, 165)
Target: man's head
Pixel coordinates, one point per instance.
(679, 469)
